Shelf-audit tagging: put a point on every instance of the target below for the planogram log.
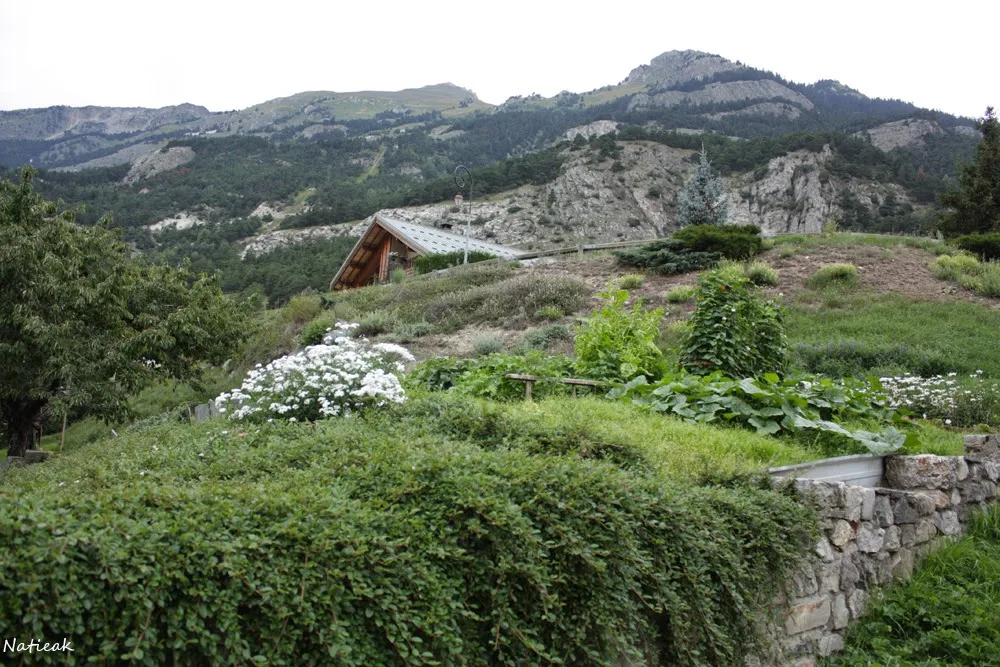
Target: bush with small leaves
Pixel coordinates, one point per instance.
(485, 345)
(376, 322)
(549, 313)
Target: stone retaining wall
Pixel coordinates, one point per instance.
(873, 536)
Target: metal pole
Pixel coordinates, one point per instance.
(463, 175)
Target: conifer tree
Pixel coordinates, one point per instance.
(975, 203)
(703, 200)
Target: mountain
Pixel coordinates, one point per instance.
(224, 189)
(90, 137)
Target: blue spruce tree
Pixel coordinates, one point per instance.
(703, 200)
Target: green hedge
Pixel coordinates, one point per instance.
(986, 246)
(381, 542)
(730, 241)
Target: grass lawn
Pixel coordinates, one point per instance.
(963, 334)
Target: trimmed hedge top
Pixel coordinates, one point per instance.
(381, 542)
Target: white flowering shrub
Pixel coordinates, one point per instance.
(957, 401)
(336, 378)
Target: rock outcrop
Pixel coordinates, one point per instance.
(901, 133)
(157, 162)
(723, 93)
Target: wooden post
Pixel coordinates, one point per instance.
(62, 439)
(527, 390)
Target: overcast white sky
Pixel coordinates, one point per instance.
(230, 55)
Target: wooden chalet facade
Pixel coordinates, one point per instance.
(388, 244)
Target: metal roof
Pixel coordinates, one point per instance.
(433, 241)
(423, 240)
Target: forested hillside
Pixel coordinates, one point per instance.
(298, 158)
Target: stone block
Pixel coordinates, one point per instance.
(856, 602)
(804, 581)
(828, 574)
(925, 503)
(849, 575)
(35, 456)
(893, 538)
(841, 614)
(947, 523)
(901, 564)
(983, 448)
(956, 497)
(870, 539)
(853, 502)
(903, 512)
(974, 492)
(841, 533)
(823, 550)
(867, 504)
(921, 472)
(808, 614)
(831, 644)
(875, 570)
(991, 471)
(962, 468)
(883, 510)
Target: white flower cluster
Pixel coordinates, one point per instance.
(333, 379)
(935, 397)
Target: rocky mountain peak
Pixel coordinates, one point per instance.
(674, 67)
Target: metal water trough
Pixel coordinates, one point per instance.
(857, 470)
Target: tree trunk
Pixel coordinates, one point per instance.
(23, 421)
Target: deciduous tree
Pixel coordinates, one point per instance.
(84, 323)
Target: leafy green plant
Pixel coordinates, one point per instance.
(313, 332)
(540, 339)
(397, 276)
(301, 309)
(617, 343)
(733, 330)
(850, 358)
(631, 281)
(834, 275)
(770, 405)
(983, 278)
(954, 267)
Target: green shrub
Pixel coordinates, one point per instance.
(406, 332)
(985, 246)
(517, 297)
(834, 275)
(733, 330)
(681, 294)
(667, 257)
(618, 343)
(438, 261)
(397, 276)
(954, 267)
(485, 345)
(549, 313)
(375, 323)
(313, 332)
(301, 309)
(384, 543)
(631, 281)
(485, 378)
(849, 358)
(540, 339)
(787, 251)
(730, 241)
(761, 273)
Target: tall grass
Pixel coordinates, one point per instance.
(946, 614)
(983, 278)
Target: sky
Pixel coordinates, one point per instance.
(230, 55)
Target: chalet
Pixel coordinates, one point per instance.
(388, 244)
